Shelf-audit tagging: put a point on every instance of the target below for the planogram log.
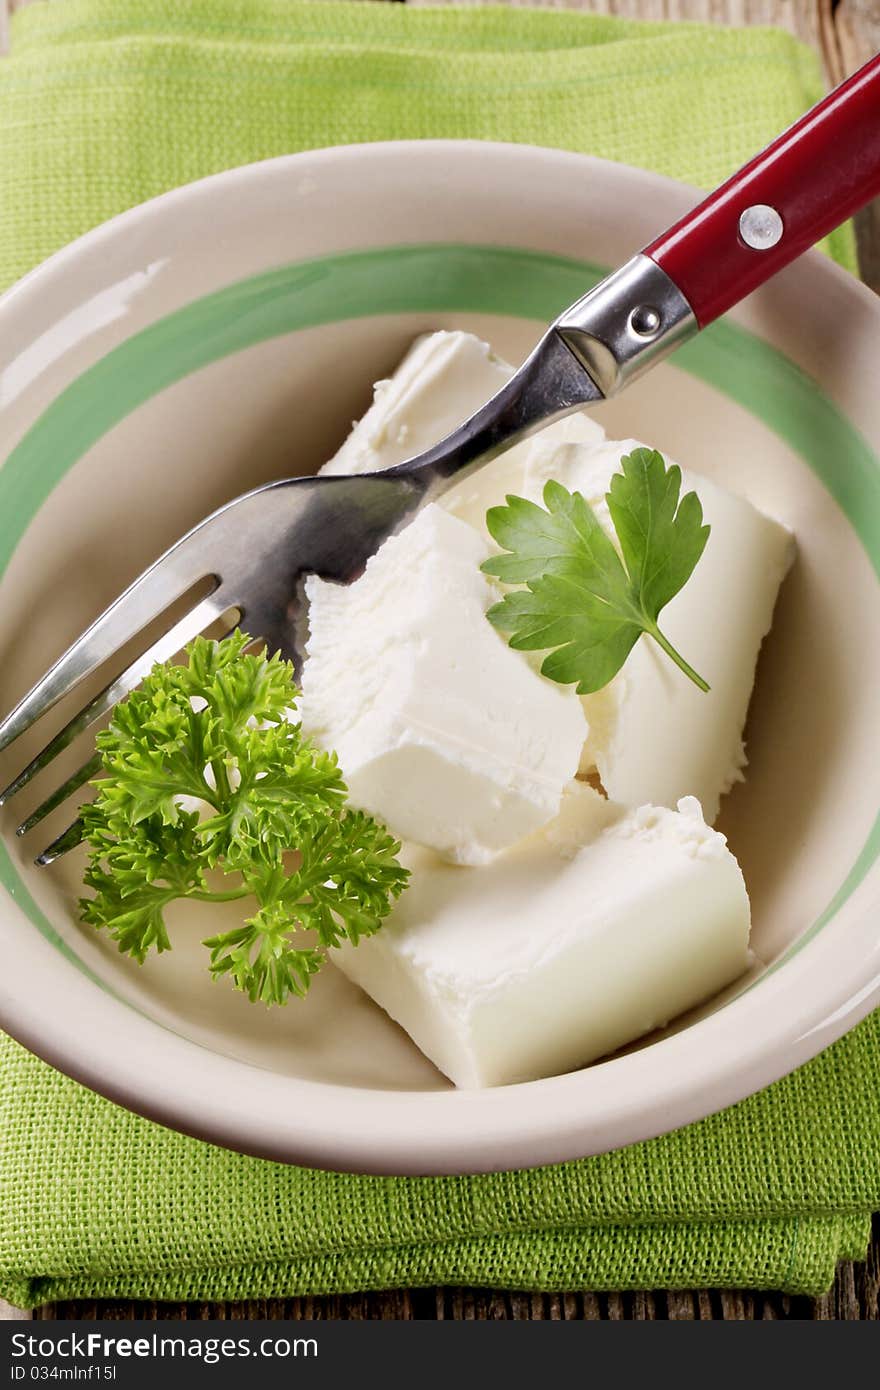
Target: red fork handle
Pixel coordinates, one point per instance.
(813, 177)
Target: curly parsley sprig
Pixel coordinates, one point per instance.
(275, 824)
(582, 602)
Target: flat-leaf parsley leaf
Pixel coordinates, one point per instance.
(582, 601)
(270, 822)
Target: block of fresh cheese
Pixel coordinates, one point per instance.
(443, 379)
(596, 930)
(442, 731)
(654, 736)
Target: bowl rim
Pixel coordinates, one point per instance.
(793, 1013)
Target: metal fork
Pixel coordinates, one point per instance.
(254, 551)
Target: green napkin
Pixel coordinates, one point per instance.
(107, 102)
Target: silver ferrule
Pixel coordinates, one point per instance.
(624, 325)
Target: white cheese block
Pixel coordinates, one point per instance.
(444, 378)
(593, 932)
(441, 730)
(654, 736)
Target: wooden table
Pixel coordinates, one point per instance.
(846, 33)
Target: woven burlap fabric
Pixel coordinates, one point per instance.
(107, 102)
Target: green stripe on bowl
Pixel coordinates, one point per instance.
(420, 279)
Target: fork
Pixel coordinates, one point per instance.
(253, 552)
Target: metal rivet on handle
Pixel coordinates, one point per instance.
(645, 320)
(760, 227)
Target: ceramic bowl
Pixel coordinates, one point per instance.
(227, 334)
